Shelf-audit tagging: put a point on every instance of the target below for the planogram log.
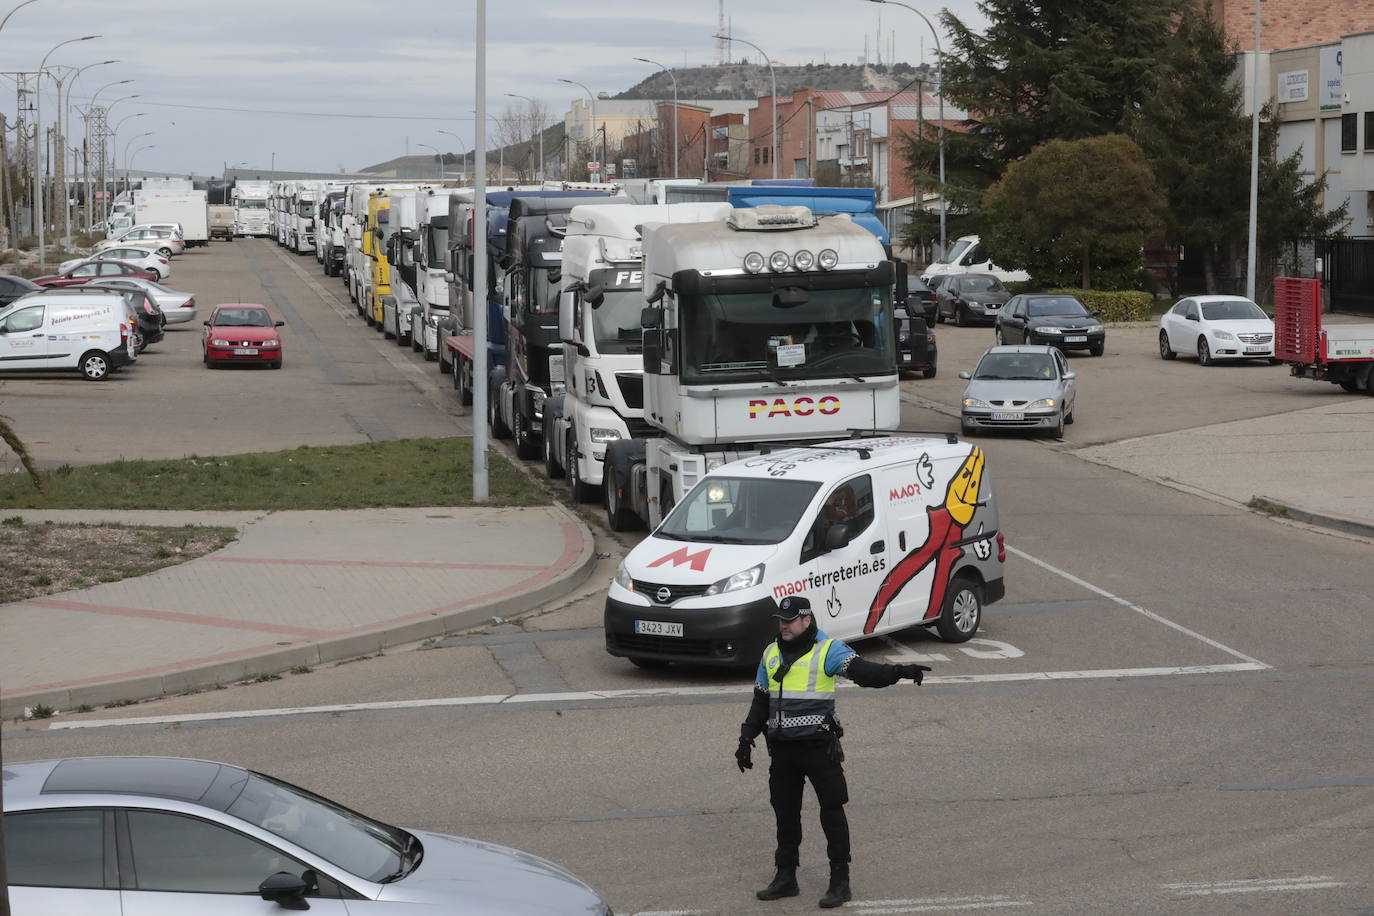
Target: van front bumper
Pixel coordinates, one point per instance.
(724, 637)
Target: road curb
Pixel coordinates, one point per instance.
(1346, 524)
(563, 581)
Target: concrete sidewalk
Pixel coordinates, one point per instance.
(297, 588)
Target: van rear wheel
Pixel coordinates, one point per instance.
(963, 610)
(95, 366)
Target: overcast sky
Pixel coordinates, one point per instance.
(321, 85)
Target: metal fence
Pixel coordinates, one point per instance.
(1347, 273)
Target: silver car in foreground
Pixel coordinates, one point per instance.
(1020, 387)
(158, 836)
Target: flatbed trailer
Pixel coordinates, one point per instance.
(1342, 354)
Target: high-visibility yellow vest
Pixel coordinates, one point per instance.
(803, 704)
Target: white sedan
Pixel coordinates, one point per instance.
(161, 240)
(1216, 328)
(138, 256)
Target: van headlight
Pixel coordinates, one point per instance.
(747, 579)
(622, 578)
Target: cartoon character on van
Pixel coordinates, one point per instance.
(947, 523)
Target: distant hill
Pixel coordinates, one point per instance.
(746, 80)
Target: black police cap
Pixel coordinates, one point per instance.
(792, 607)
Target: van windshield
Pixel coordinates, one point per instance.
(956, 252)
(739, 510)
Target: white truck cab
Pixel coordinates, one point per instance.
(968, 255)
(880, 534)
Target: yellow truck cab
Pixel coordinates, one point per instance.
(374, 249)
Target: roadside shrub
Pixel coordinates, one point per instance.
(1129, 305)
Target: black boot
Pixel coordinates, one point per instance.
(784, 885)
(838, 893)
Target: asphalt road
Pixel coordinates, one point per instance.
(1168, 714)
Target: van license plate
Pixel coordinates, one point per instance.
(1008, 415)
(1077, 339)
(658, 628)
(245, 351)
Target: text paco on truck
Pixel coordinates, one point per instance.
(880, 534)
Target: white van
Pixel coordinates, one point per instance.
(92, 334)
(881, 534)
(969, 256)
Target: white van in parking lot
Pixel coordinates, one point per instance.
(881, 534)
(91, 334)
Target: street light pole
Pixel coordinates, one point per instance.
(501, 153)
(481, 301)
(438, 154)
(40, 164)
(601, 159)
(127, 183)
(1250, 254)
(772, 127)
(461, 144)
(67, 218)
(515, 95)
(129, 162)
(940, 87)
(677, 148)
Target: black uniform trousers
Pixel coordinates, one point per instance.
(792, 763)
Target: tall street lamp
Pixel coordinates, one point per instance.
(593, 137)
(773, 127)
(129, 163)
(940, 87)
(127, 183)
(1254, 163)
(63, 108)
(540, 128)
(461, 143)
(39, 164)
(13, 11)
(676, 147)
(501, 153)
(438, 155)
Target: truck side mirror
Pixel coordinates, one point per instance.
(651, 318)
(449, 277)
(565, 316)
(836, 536)
(595, 295)
(653, 351)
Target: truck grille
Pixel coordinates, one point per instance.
(650, 590)
(640, 428)
(631, 389)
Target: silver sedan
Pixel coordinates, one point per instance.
(1022, 387)
(157, 836)
(178, 307)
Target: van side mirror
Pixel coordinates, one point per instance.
(836, 536)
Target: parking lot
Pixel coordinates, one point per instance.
(1164, 715)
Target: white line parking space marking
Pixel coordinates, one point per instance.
(933, 904)
(1253, 886)
(1151, 615)
(638, 693)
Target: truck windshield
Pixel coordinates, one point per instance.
(744, 337)
(739, 510)
(437, 246)
(305, 208)
(543, 292)
(615, 321)
(252, 203)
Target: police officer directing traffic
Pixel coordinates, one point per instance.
(794, 701)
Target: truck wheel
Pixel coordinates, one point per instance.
(1369, 380)
(525, 450)
(582, 492)
(552, 469)
(499, 429)
(95, 366)
(617, 515)
(963, 610)
(462, 382)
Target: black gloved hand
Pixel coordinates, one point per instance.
(915, 672)
(744, 755)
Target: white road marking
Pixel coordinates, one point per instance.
(1252, 886)
(635, 693)
(933, 904)
(903, 654)
(1151, 615)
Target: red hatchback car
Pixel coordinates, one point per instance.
(241, 333)
(95, 270)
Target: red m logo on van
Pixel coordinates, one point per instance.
(680, 556)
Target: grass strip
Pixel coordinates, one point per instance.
(404, 472)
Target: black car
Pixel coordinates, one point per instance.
(151, 321)
(968, 298)
(12, 287)
(1051, 318)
